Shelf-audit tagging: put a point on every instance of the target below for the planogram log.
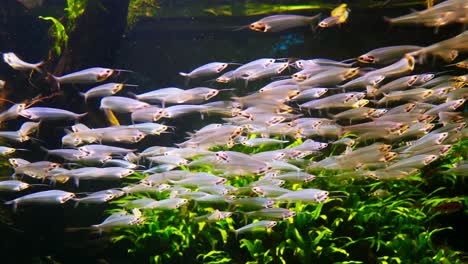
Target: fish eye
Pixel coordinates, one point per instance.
(252, 26)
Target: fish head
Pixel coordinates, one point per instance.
(279, 156)
(429, 159)
(299, 64)
(269, 203)
(264, 169)
(293, 94)
(445, 149)
(223, 79)
(441, 137)
(279, 182)
(221, 181)
(321, 196)
(22, 186)
(299, 77)
(138, 137)
(426, 77)
(426, 118)
(282, 67)
(26, 114)
(409, 107)
(224, 215)
(126, 173)
(15, 163)
(117, 88)
(104, 74)
(67, 196)
(163, 187)
(258, 190)
(385, 148)
(367, 58)
(289, 214)
(271, 224)
(360, 103)
(210, 94)
(181, 202)
(222, 156)
(259, 26)
(412, 80)
(374, 80)
(275, 120)
(9, 151)
(427, 94)
(389, 156)
(309, 178)
(458, 103)
(411, 62)
(220, 67)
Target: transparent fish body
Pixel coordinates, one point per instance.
(387, 55)
(13, 186)
(104, 90)
(209, 69)
(276, 23)
(120, 104)
(47, 113)
(91, 75)
(305, 195)
(44, 197)
(275, 214)
(16, 63)
(12, 112)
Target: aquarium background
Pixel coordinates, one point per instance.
(163, 38)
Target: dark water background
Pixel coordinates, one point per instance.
(156, 50)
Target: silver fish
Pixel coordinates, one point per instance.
(262, 225)
(16, 63)
(45, 197)
(122, 104)
(46, 113)
(206, 70)
(277, 23)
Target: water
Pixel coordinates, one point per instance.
(156, 49)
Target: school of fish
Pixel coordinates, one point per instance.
(384, 118)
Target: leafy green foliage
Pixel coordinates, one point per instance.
(365, 221)
(59, 32)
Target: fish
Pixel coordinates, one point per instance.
(274, 214)
(387, 55)
(305, 195)
(44, 197)
(16, 63)
(104, 90)
(262, 225)
(49, 114)
(12, 112)
(13, 186)
(118, 220)
(209, 69)
(86, 76)
(277, 23)
(121, 104)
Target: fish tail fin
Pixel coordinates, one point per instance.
(133, 95)
(388, 20)
(79, 116)
(14, 203)
(184, 74)
(53, 79)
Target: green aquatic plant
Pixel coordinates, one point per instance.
(364, 221)
(74, 9)
(59, 32)
(141, 8)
